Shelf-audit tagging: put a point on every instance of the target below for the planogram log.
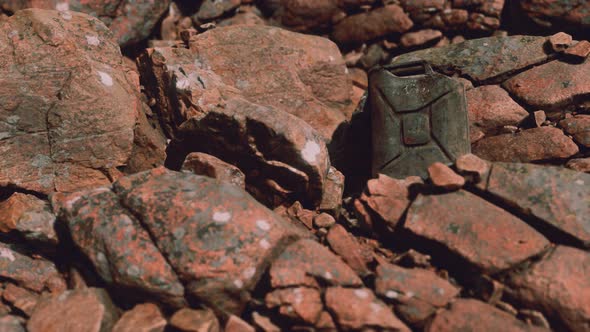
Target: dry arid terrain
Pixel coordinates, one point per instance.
(206, 166)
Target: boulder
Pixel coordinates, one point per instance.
(490, 108)
(68, 109)
(145, 317)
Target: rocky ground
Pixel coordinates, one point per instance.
(204, 166)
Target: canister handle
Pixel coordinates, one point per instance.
(416, 66)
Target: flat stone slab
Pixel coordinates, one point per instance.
(559, 197)
(468, 226)
(490, 59)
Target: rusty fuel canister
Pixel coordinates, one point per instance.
(418, 117)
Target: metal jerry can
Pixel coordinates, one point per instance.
(418, 117)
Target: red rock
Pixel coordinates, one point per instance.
(80, 310)
(556, 196)
(30, 216)
(333, 191)
(219, 244)
(211, 9)
(34, 274)
(558, 286)
(149, 144)
(129, 26)
(297, 215)
(537, 144)
(264, 323)
(10, 323)
(553, 86)
(490, 108)
(481, 233)
(306, 262)
(558, 13)
(145, 317)
(208, 165)
(358, 308)
(580, 164)
(299, 303)
(540, 118)
(248, 16)
(473, 315)
(560, 41)
(417, 293)
(444, 177)
(119, 248)
(323, 220)
(388, 198)
(345, 245)
(483, 60)
(579, 127)
(491, 8)
(20, 298)
(421, 37)
(236, 324)
(472, 164)
(307, 78)
(580, 50)
(306, 14)
(377, 23)
(77, 91)
(191, 320)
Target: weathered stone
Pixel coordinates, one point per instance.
(556, 196)
(306, 263)
(483, 234)
(537, 144)
(579, 127)
(10, 323)
(191, 320)
(248, 16)
(34, 274)
(30, 216)
(264, 323)
(472, 164)
(539, 117)
(145, 317)
(236, 324)
(130, 21)
(83, 310)
(560, 41)
(208, 165)
(20, 298)
(118, 247)
(421, 37)
(300, 303)
(489, 59)
(323, 220)
(473, 315)
(280, 154)
(553, 86)
(307, 78)
(557, 285)
(580, 50)
(572, 15)
(211, 9)
(388, 198)
(306, 14)
(417, 293)
(358, 308)
(377, 23)
(219, 244)
(333, 191)
(580, 164)
(490, 108)
(444, 177)
(345, 245)
(55, 102)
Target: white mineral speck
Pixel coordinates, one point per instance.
(238, 283)
(105, 78)
(264, 244)
(221, 217)
(361, 293)
(7, 253)
(392, 294)
(92, 40)
(249, 272)
(328, 275)
(310, 151)
(62, 6)
(263, 224)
